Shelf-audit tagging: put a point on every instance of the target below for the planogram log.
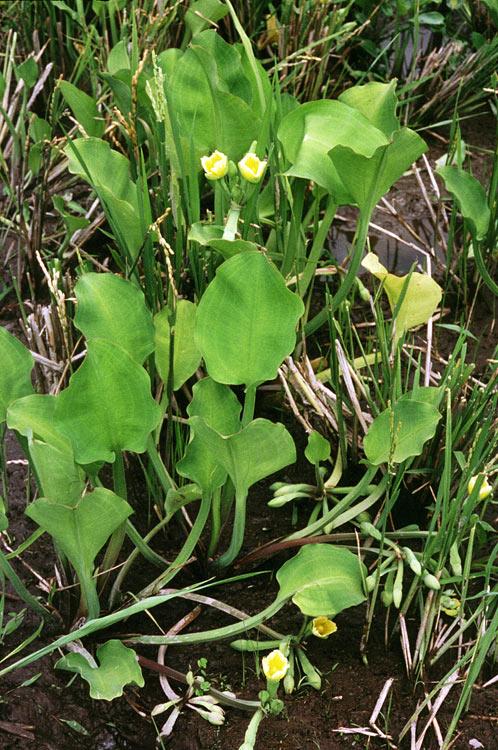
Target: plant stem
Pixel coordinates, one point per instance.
(232, 222)
(249, 404)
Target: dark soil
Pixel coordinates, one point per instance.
(55, 712)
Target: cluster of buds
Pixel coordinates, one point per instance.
(217, 165)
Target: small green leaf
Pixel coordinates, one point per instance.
(84, 109)
(317, 449)
(203, 13)
(470, 197)
(118, 667)
(322, 580)
(422, 294)
(81, 530)
(400, 432)
(59, 477)
(118, 58)
(377, 102)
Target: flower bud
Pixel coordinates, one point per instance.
(485, 490)
(215, 165)
(252, 168)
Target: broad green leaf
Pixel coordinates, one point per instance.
(309, 132)
(246, 321)
(59, 477)
(84, 109)
(186, 355)
(108, 172)
(421, 296)
(317, 449)
(368, 178)
(400, 431)
(322, 580)
(470, 197)
(258, 450)
(107, 406)
(118, 667)
(15, 371)
(202, 12)
(428, 394)
(377, 102)
(81, 531)
(113, 309)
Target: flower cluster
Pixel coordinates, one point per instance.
(251, 167)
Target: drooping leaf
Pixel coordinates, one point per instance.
(309, 132)
(108, 172)
(322, 580)
(118, 666)
(470, 197)
(368, 178)
(84, 109)
(186, 355)
(377, 102)
(113, 309)
(317, 449)
(258, 450)
(15, 371)
(81, 530)
(220, 409)
(246, 321)
(400, 431)
(34, 416)
(422, 294)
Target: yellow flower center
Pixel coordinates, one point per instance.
(252, 163)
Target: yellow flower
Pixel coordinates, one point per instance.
(215, 165)
(275, 665)
(322, 627)
(450, 605)
(485, 491)
(252, 168)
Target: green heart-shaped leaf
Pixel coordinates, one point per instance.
(322, 580)
(118, 667)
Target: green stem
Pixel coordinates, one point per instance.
(8, 571)
(206, 636)
(215, 522)
(349, 279)
(317, 248)
(249, 404)
(185, 551)
(252, 730)
(239, 525)
(118, 536)
(232, 222)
